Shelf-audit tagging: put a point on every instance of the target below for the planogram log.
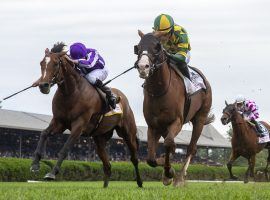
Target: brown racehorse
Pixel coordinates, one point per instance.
(77, 106)
(244, 141)
(164, 104)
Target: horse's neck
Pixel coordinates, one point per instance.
(71, 79)
(159, 80)
(240, 127)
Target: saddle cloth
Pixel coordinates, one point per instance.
(196, 83)
(265, 135)
(117, 111)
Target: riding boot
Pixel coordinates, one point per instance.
(183, 67)
(109, 95)
(258, 127)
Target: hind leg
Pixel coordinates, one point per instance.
(133, 146)
(198, 123)
(100, 142)
(266, 168)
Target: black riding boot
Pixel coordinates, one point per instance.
(183, 67)
(258, 127)
(109, 95)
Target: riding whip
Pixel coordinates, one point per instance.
(1, 100)
(118, 75)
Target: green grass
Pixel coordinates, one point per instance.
(129, 190)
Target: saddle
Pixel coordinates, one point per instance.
(264, 136)
(192, 100)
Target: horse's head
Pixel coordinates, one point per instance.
(150, 54)
(50, 67)
(228, 112)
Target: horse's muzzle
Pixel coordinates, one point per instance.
(44, 88)
(224, 120)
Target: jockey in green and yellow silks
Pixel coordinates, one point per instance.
(175, 40)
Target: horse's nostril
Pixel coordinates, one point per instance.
(46, 85)
(146, 66)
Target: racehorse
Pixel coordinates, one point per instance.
(164, 105)
(78, 107)
(244, 141)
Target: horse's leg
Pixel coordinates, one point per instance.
(248, 171)
(54, 127)
(133, 146)
(152, 143)
(169, 145)
(252, 165)
(100, 142)
(266, 168)
(76, 129)
(233, 157)
(198, 123)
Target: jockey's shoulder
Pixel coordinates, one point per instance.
(179, 29)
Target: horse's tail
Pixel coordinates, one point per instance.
(210, 118)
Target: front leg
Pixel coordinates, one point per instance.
(54, 127)
(233, 157)
(152, 143)
(76, 130)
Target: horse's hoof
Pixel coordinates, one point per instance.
(105, 184)
(168, 180)
(179, 180)
(140, 184)
(234, 177)
(49, 177)
(34, 168)
(245, 180)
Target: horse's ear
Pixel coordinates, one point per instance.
(226, 103)
(141, 34)
(136, 49)
(47, 51)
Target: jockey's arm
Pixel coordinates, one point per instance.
(179, 58)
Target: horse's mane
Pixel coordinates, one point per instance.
(58, 47)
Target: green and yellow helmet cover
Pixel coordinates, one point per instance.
(163, 22)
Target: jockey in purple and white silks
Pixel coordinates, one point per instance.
(249, 110)
(92, 66)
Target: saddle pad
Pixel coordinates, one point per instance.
(196, 82)
(117, 111)
(265, 138)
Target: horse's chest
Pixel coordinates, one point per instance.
(159, 117)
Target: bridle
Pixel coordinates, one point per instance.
(153, 67)
(56, 77)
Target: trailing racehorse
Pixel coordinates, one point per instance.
(165, 103)
(78, 106)
(244, 141)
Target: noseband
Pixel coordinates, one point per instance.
(153, 66)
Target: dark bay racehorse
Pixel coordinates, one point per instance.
(77, 106)
(164, 104)
(244, 141)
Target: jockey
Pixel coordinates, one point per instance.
(249, 110)
(175, 41)
(92, 66)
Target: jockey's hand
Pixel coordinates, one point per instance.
(246, 118)
(71, 60)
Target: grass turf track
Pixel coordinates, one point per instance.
(129, 190)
